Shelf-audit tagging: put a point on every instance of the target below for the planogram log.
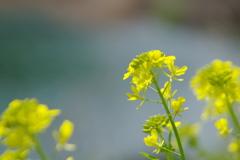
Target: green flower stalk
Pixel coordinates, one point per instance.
(219, 85)
(146, 70)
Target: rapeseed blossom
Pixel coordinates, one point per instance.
(154, 141)
(222, 126)
(14, 155)
(234, 146)
(62, 136)
(30, 115)
(150, 65)
(218, 84)
(176, 105)
(217, 79)
(146, 70)
(20, 123)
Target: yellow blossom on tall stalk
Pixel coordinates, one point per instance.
(146, 70)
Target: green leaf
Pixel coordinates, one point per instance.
(148, 156)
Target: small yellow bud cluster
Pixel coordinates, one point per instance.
(157, 122)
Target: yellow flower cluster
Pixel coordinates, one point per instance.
(218, 84)
(217, 79)
(19, 124)
(141, 68)
(148, 65)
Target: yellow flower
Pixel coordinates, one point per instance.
(156, 56)
(14, 155)
(22, 120)
(65, 131)
(217, 78)
(62, 136)
(175, 71)
(234, 146)
(154, 141)
(130, 70)
(18, 137)
(222, 126)
(166, 91)
(176, 105)
(135, 95)
(70, 158)
(29, 114)
(169, 125)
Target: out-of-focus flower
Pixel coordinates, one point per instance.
(63, 135)
(222, 126)
(70, 158)
(14, 155)
(234, 146)
(21, 121)
(217, 78)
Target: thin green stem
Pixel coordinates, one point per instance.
(39, 148)
(54, 153)
(153, 89)
(169, 155)
(170, 151)
(170, 119)
(169, 142)
(233, 115)
(149, 100)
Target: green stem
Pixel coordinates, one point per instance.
(170, 119)
(170, 151)
(149, 100)
(54, 153)
(169, 156)
(39, 148)
(153, 89)
(169, 142)
(233, 115)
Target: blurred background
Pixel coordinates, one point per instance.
(72, 55)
